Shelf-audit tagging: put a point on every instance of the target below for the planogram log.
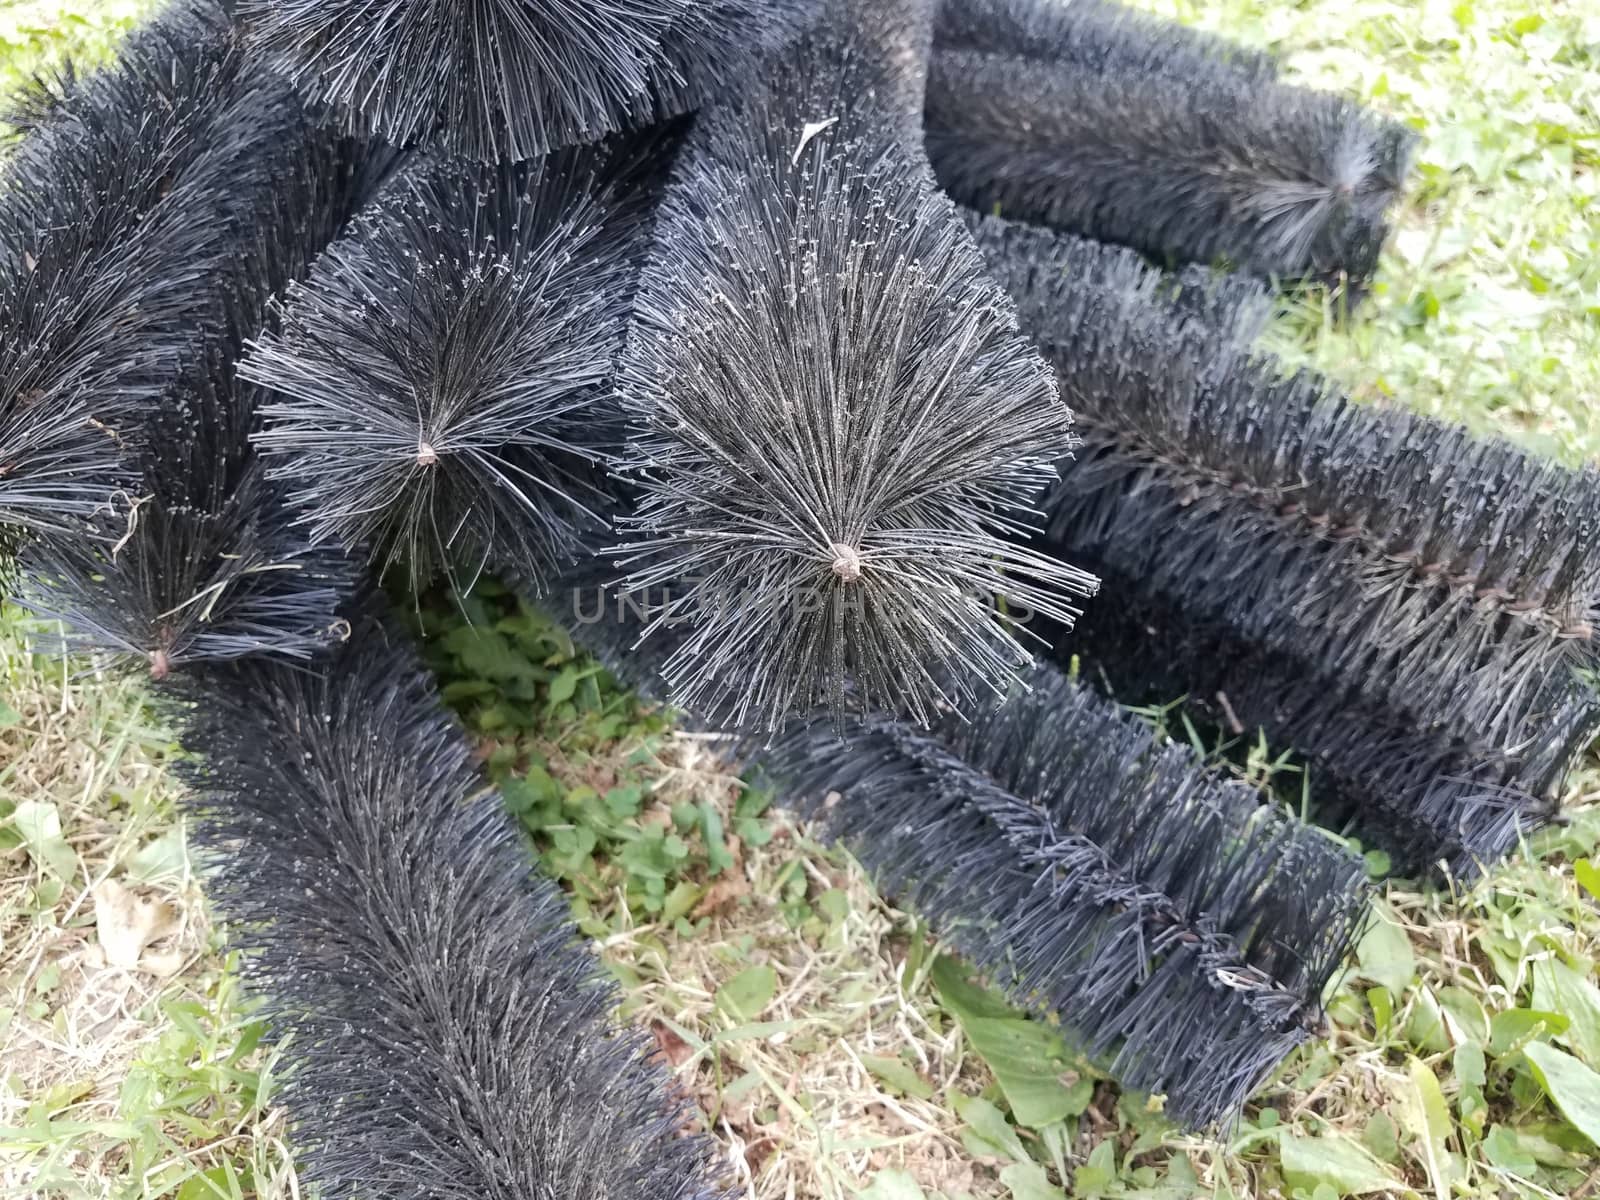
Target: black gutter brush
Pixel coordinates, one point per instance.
(1096, 34)
(1437, 802)
(188, 554)
(443, 381)
(836, 424)
(516, 79)
(450, 1035)
(1447, 584)
(121, 208)
(1178, 153)
(1182, 932)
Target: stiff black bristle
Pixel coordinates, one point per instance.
(1429, 798)
(1182, 932)
(200, 564)
(835, 419)
(443, 378)
(449, 1036)
(1201, 165)
(114, 217)
(188, 555)
(152, 206)
(1096, 34)
(515, 79)
(1444, 585)
(1456, 580)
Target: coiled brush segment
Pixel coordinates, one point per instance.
(835, 425)
(1178, 147)
(449, 1034)
(1182, 932)
(516, 79)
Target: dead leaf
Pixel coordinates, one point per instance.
(757, 1151)
(670, 1048)
(721, 895)
(126, 922)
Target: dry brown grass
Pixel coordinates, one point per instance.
(88, 961)
(89, 956)
(97, 933)
(787, 1092)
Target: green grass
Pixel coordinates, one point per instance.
(34, 34)
(128, 1059)
(833, 1050)
(1487, 308)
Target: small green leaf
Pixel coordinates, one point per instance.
(9, 715)
(718, 859)
(563, 686)
(1584, 871)
(1510, 1030)
(209, 1185)
(1427, 1116)
(1382, 1137)
(1382, 1008)
(1467, 1019)
(160, 859)
(834, 904)
(1384, 952)
(1554, 1143)
(1028, 1058)
(1573, 1087)
(897, 1075)
(1471, 1071)
(1098, 1174)
(962, 998)
(747, 994)
(1503, 1149)
(1558, 988)
(40, 826)
(681, 900)
(1028, 1181)
(993, 1134)
(624, 802)
(1425, 1027)
(893, 1184)
(1335, 1161)
(466, 689)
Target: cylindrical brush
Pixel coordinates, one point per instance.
(1181, 154)
(443, 380)
(1097, 34)
(1426, 797)
(188, 555)
(1182, 932)
(1447, 583)
(449, 1035)
(836, 425)
(515, 79)
(121, 211)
